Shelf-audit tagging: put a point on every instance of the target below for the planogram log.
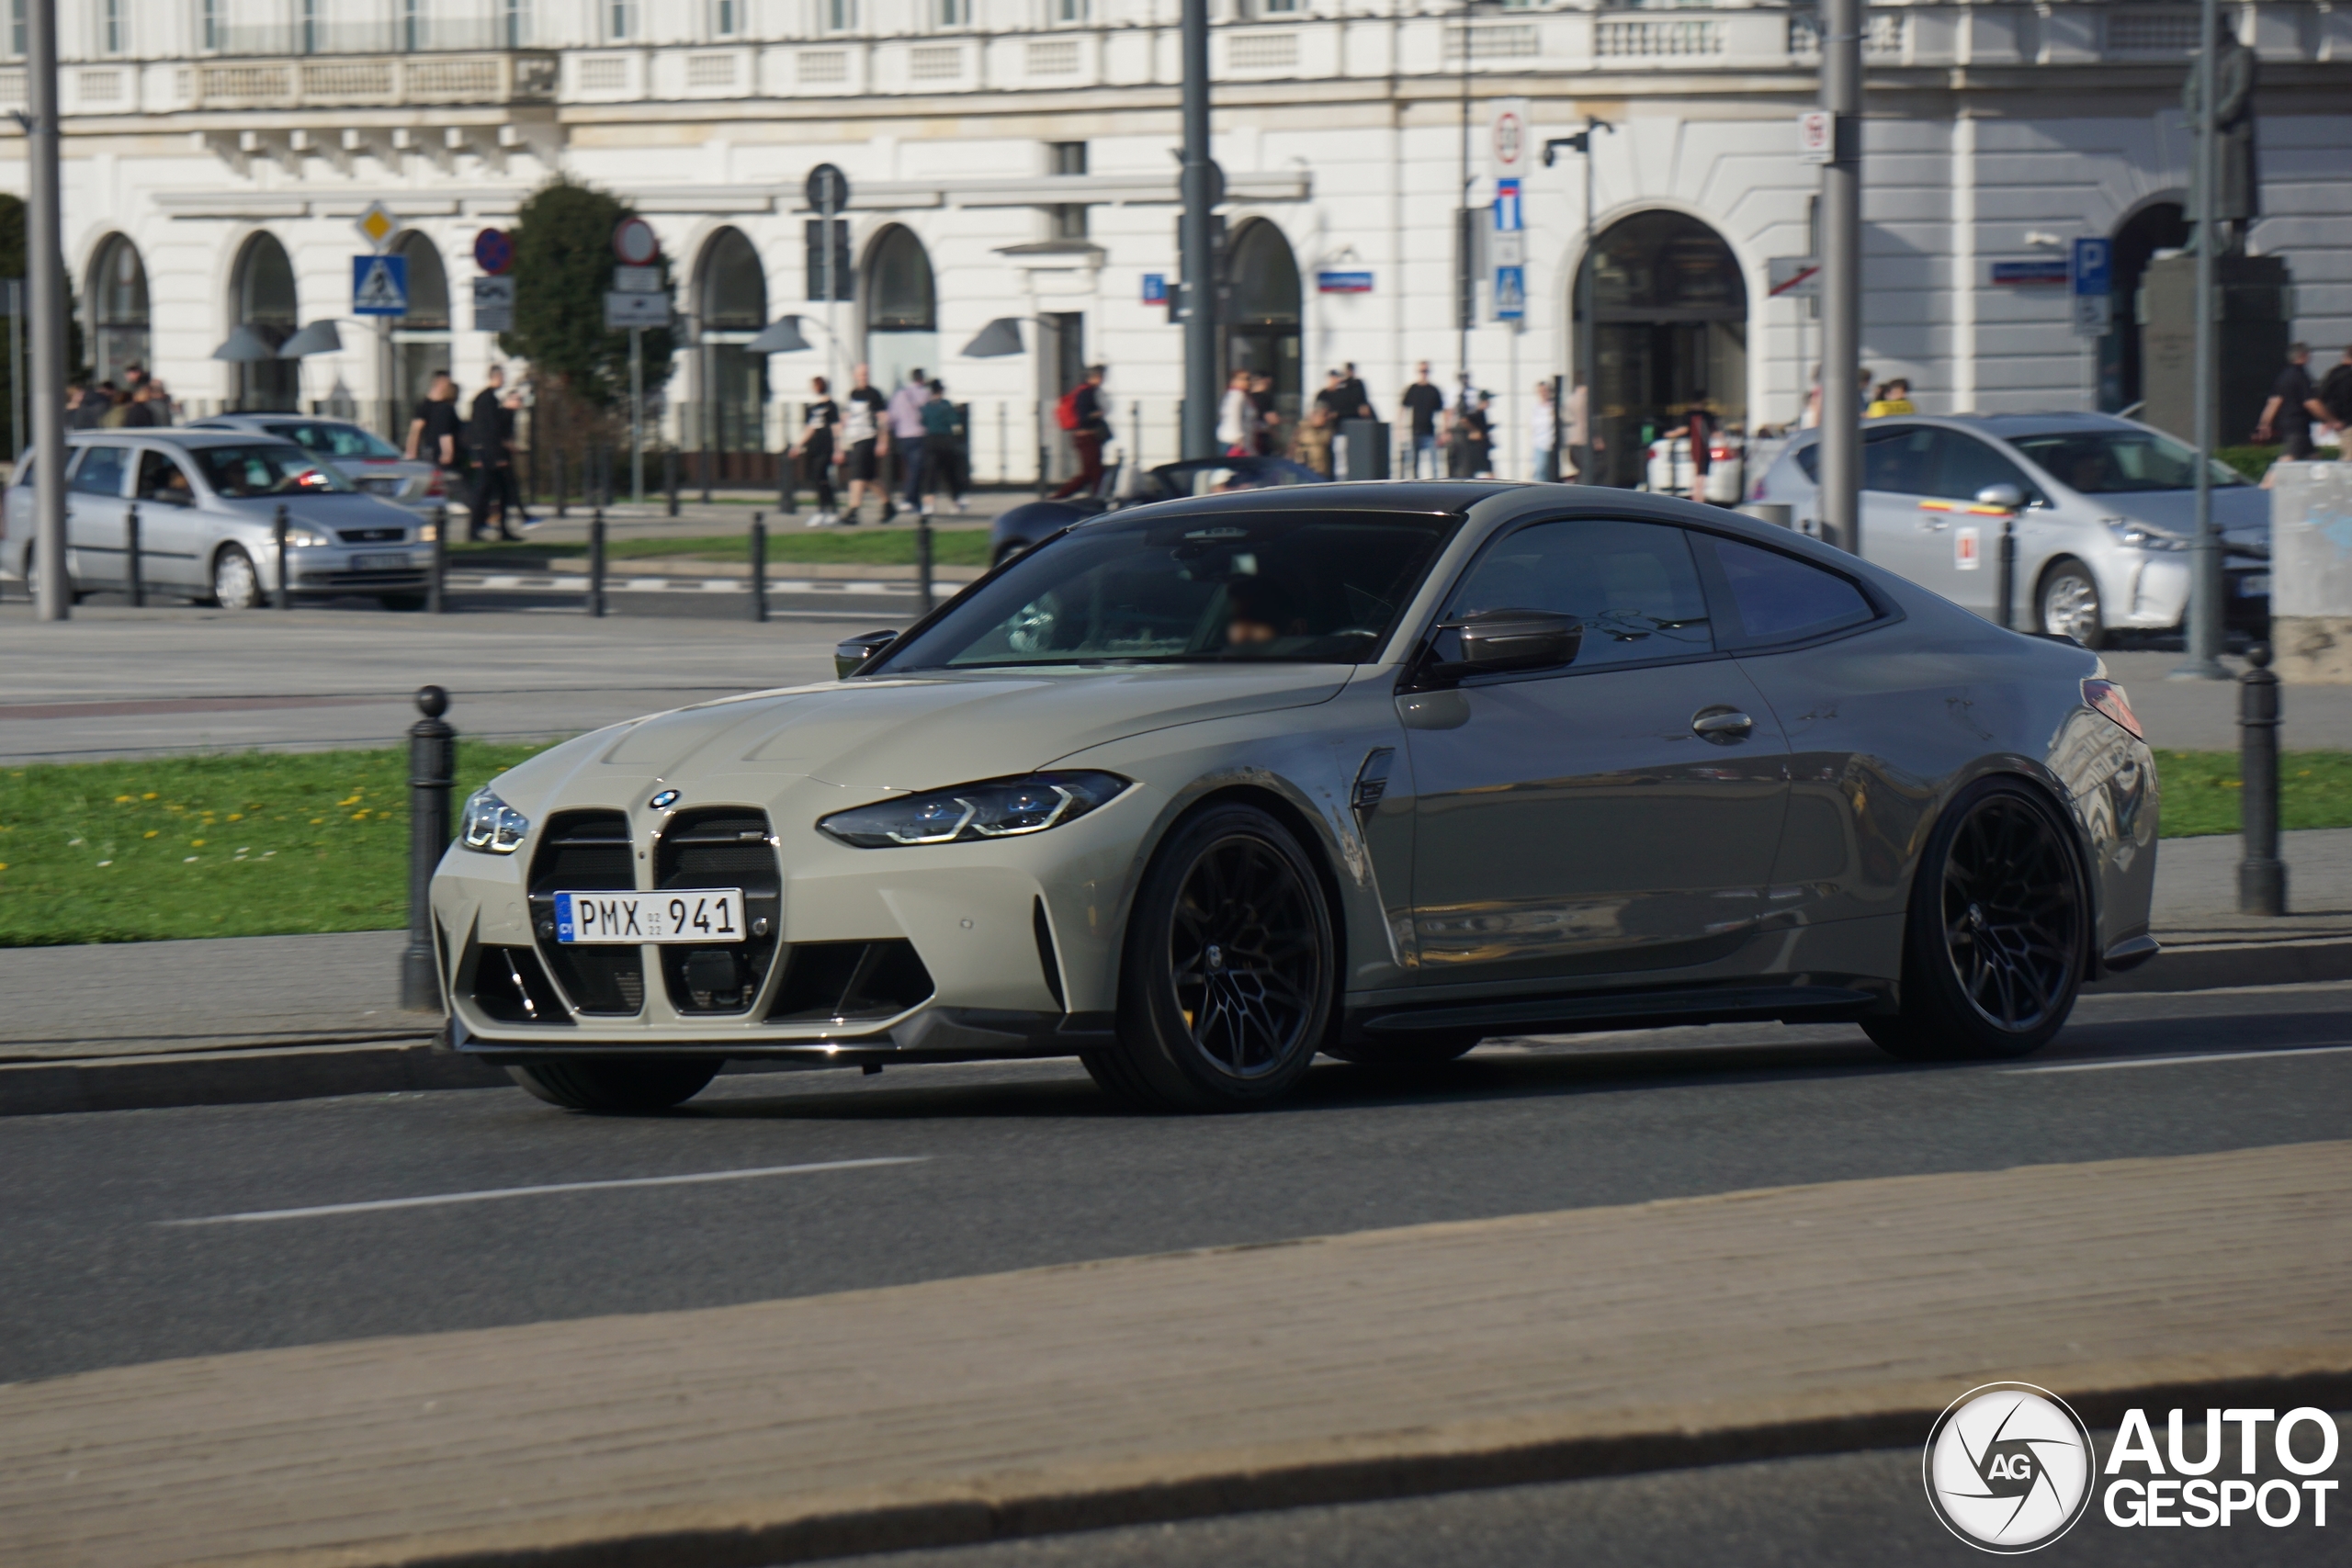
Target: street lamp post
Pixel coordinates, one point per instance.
(2205, 626)
(1841, 273)
(1199, 297)
(1588, 333)
(44, 250)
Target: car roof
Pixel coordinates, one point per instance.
(190, 436)
(1424, 496)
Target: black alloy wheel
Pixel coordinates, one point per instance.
(1226, 993)
(617, 1086)
(1998, 929)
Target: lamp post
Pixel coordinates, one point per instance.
(44, 253)
(1194, 240)
(2206, 585)
(1588, 334)
(1841, 273)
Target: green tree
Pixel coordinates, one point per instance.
(12, 264)
(564, 264)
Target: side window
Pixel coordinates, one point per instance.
(1809, 459)
(101, 470)
(1901, 461)
(1968, 465)
(310, 438)
(1634, 585)
(1779, 598)
(161, 479)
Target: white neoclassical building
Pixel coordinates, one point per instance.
(1013, 157)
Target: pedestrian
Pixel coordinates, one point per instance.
(906, 437)
(1892, 399)
(1267, 437)
(1585, 443)
(1357, 396)
(117, 413)
(959, 455)
(1462, 436)
(940, 420)
(814, 450)
(488, 444)
(1312, 444)
(1340, 398)
(434, 428)
(2294, 404)
(866, 437)
(1544, 435)
(1091, 430)
(1422, 404)
(2335, 393)
(1237, 417)
(1698, 428)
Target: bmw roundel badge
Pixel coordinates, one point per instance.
(663, 801)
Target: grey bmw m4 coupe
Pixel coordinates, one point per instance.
(1198, 790)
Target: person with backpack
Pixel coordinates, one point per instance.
(940, 419)
(1080, 413)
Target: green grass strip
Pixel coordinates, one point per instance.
(2203, 791)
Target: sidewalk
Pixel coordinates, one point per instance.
(1738, 1326)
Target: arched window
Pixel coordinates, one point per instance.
(902, 307)
(1672, 323)
(421, 338)
(118, 296)
(262, 297)
(1262, 332)
(731, 289)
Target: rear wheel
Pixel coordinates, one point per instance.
(623, 1087)
(1224, 995)
(235, 584)
(1997, 933)
(2070, 604)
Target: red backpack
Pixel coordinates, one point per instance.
(1066, 411)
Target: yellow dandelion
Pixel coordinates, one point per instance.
(360, 817)
(118, 800)
(149, 795)
(196, 843)
(314, 822)
(236, 817)
(151, 832)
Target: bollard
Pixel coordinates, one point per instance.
(759, 566)
(701, 470)
(922, 560)
(558, 481)
(2007, 588)
(437, 562)
(596, 563)
(670, 477)
(786, 496)
(278, 539)
(431, 769)
(131, 559)
(2261, 875)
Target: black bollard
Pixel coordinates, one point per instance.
(922, 560)
(784, 494)
(759, 566)
(437, 562)
(2008, 583)
(285, 573)
(701, 469)
(131, 562)
(596, 563)
(670, 477)
(558, 481)
(2261, 875)
(431, 769)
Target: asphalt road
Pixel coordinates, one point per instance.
(1011, 1165)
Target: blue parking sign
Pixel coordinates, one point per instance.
(379, 285)
(2091, 269)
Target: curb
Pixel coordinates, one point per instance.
(313, 1072)
(1374, 1468)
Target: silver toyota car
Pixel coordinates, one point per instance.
(207, 503)
(2105, 510)
(1197, 790)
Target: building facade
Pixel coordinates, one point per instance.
(1014, 158)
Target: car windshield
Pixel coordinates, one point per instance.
(332, 440)
(273, 467)
(2112, 462)
(1301, 587)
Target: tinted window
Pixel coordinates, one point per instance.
(1969, 464)
(162, 478)
(1781, 599)
(1634, 585)
(1901, 461)
(1809, 459)
(331, 439)
(274, 467)
(1305, 587)
(101, 470)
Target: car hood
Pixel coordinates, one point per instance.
(2243, 512)
(330, 511)
(887, 735)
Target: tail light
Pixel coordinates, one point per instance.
(2108, 698)
(434, 486)
(1719, 452)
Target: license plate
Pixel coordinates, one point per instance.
(2255, 585)
(707, 914)
(379, 563)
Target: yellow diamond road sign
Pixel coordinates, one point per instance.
(378, 224)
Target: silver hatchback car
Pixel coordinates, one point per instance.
(207, 503)
(369, 461)
(2105, 511)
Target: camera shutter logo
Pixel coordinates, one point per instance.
(2009, 1468)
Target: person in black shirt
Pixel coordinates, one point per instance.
(489, 431)
(1421, 402)
(2294, 403)
(814, 451)
(1356, 395)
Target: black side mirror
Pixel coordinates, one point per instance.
(1505, 639)
(2009, 498)
(851, 653)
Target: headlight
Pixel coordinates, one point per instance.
(426, 533)
(491, 827)
(305, 539)
(993, 809)
(2138, 535)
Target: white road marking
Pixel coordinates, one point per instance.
(2179, 1061)
(487, 1194)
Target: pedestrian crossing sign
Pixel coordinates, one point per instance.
(379, 285)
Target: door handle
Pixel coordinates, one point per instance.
(1722, 725)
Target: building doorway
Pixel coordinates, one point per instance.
(421, 338)
(262, 297)
(1263, 313)
(1672, 325)
(733, 291)
(2159, 226)
(118, 296)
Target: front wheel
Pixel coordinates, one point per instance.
(2070, 604)
(1224, 994)
(624, 1085)
(235, 584)
(1997, 933)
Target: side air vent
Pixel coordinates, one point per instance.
(511, 985)
(587, 852)
(849, 982)
(721, 847)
